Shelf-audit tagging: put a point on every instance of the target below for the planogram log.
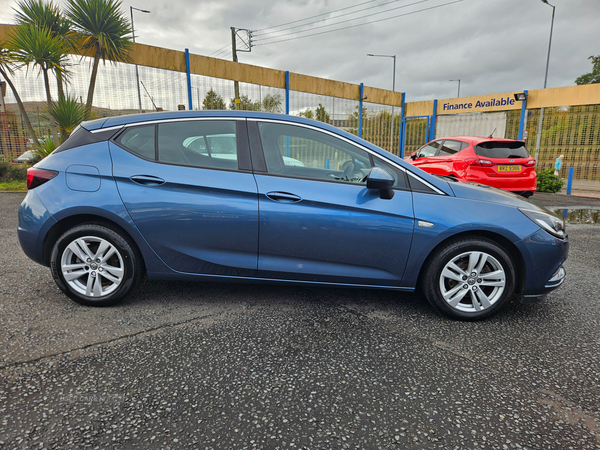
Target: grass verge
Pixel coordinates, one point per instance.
(14, 186)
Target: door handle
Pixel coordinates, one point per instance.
(147, 180)
(283, 197)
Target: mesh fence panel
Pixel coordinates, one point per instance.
(572, 131)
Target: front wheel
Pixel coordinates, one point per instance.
(95, 265)
(469, 279)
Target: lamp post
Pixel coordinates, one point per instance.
(457, 95)
(393, 90)
(539, 133)
(137, 75)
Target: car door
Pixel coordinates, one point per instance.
(446, 156)
(197, 210)
(317, 220)
(425, 156)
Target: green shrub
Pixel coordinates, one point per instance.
(548, 182)
(9, 172)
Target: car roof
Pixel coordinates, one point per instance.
(478, 139)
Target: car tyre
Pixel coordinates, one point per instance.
(95, 265)
(469, 279)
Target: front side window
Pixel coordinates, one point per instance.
(199, 143)
(302, 152)
(399, 175)
(428, 150)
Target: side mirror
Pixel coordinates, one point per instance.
(381, 180)
(413, 156)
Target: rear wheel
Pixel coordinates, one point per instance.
(469, 279)
(95, 265)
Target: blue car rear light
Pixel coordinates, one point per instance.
(36, 177)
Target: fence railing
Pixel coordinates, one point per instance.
(167, 82)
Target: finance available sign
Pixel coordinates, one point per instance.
(483, 103)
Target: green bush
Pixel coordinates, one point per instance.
(548, 182)
(9, 172)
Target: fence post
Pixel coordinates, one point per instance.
(189, 77)
(570, 181)
(287, 92)
(360, 112)
(432, 124)
(522, 119)
(401, 138)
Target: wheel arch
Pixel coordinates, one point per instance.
(505, 243)
(59, 228)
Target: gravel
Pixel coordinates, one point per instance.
(198, 365)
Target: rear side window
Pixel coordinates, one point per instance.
(138, 140)
(494, 149)
(451, 147)
(198, 143)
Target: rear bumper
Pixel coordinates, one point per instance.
(34, 223)
(507, 183)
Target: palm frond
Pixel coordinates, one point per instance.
(102, 27)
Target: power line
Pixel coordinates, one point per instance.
(220, 50)
(341, 15)
(345, 21)
(318, 15)
(360, 24)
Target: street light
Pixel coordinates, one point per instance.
(457, 95)
(137, 75)
(539, 133)
(393, 90)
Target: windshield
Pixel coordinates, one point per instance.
(495, 149)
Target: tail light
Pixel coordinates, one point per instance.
(36, 177)
(531, 163)
(479, 162)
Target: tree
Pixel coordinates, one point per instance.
(594, 75)
(6, 69)
(321, 115)
(212, 100)
(307, 113)
(48, 15)
(36, 45)
(272, 104)
(246, 104)
(104, 32)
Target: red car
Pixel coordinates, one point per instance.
(502, 163)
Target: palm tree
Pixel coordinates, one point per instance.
(36, 45)
(104, 32)
(41, 14)
(6, 69)
(68, 114)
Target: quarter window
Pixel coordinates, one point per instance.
(302, 152)
(138, 140)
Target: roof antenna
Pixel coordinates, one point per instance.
(492, 135)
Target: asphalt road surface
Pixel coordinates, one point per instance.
(232, 366)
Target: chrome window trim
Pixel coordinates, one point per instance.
(153, 122)
(362, 147)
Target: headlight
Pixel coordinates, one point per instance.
(549, 222)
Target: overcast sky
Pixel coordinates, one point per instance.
(490, 45)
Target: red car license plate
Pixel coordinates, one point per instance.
(509, 168)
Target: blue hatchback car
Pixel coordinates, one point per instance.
(240, 196)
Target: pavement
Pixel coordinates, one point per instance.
(228, 366)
